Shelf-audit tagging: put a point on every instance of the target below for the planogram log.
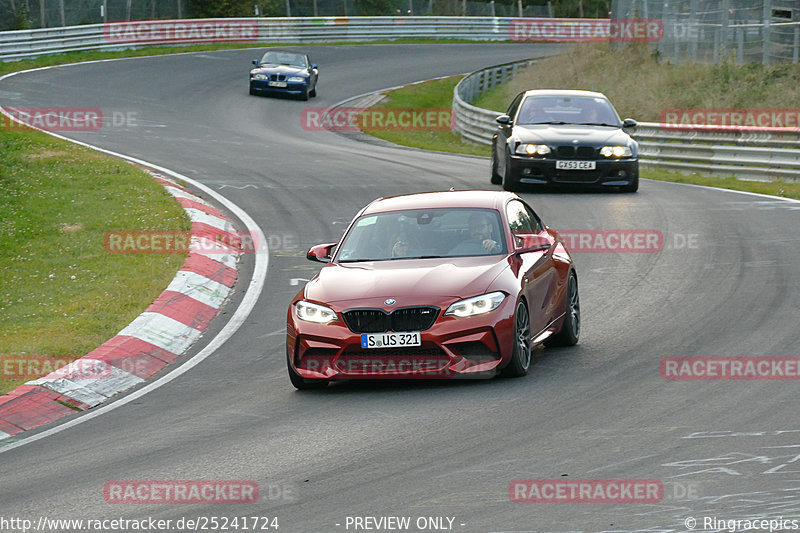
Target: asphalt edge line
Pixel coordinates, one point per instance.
(253, 292)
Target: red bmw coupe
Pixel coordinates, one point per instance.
(433, 285)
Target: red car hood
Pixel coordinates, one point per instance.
(408, 281)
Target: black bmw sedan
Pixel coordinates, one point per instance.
(551, 137)
(280, 72)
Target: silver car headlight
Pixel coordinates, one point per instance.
(476, 305)
(296, 79)
(533, 149)
(616, 151)
(261, 76)
(316, 313)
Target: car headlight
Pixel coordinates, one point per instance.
(533, 149)
(261, 76)
(476, 305)
(296, 79)
(314, 312)
(616, 151)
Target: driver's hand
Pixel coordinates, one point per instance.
(399, 249)
(490, 246)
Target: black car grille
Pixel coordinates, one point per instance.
(573, 152)
(277, 77)
(378, 320)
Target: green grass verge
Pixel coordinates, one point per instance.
(437, 94)
(62, 294)
(633, 79)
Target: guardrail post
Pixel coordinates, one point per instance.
(796, 47)
(740, 45)
(767, 14)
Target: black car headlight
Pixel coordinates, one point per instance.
(616, 151)
(532, 149)
(476, 305)
(316, 313)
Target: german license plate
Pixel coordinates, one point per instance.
(575, 165)
(391, 340)
(277, 84)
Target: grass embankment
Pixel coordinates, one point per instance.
(637, 84)
(437, 94)
(61, 293)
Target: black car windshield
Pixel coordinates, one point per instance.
(285, 58)
(423, 233)
(586, 110)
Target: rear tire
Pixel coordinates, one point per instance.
(521, 352)
(571, 329)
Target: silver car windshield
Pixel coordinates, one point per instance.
(423, 233)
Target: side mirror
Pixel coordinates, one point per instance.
(320, 253)
(255, 62)
(503, 119)
(531, 242)
(314, 67)
(628, 123)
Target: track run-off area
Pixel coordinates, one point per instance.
(443, 454)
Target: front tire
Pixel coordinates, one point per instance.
(633, 187)
(571, 329)
(304, 94)
(301, 383)
(496, 178)
(521, 352)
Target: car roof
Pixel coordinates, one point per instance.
(429, 200)
(563, 92)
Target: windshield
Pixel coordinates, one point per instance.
(423, 233)
(567, 110)
(285, 58)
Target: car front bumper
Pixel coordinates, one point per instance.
(291, 87)
(475, 346)
(543, 171)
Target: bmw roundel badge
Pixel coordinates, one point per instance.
(390, 301)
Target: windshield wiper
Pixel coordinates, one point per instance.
(419, 257)
(596, 124)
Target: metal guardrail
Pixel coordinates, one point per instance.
(31, 43)
(751, 154)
